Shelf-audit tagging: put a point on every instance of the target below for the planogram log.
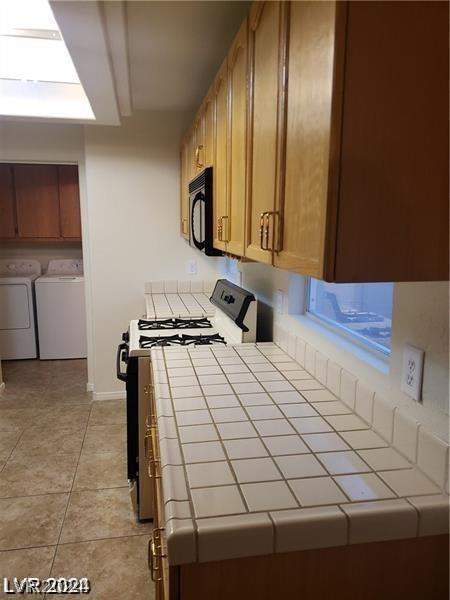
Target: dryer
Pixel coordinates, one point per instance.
(17, 308)
(61, 310)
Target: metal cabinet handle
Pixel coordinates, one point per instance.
(266, 234)
(152, 559)
(226, 217)
(148, 444)
(219, 229)
(198, 164)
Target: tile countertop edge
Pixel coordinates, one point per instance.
(192, 539)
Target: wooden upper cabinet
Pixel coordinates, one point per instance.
(208, 129)
(37, 201)
(7, 204)
(234, 223)
(184, 190)
(366, 173)
(199, 142)
(303, 209)
(392, 213)
(267, 32)
(69, 202)
(220, 183)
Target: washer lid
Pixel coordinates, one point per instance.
(60, 279)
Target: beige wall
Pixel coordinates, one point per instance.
(129, 188)
(420, 318)
(132, 187)
(41, 251)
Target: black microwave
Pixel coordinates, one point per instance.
(201, 213)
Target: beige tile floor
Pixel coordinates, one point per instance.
(65, 509)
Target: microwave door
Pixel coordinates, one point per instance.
(197, 228)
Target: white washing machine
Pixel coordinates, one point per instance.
(17, 308)
(61, 311)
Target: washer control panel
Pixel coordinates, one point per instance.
(19, 266)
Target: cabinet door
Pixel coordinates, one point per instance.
(267, 46)
(220, 158)
(199, 143)
(234, 225)
(393, 197)
(7, 211)
(37, 201)
(192, 169)
(69, 201)
(309, 97)
(184, 190)
(208, 140)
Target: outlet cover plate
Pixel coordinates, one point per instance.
(412, 371)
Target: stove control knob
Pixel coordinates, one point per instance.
(228, 298)
(126, 337)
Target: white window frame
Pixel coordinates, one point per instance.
(377, 350)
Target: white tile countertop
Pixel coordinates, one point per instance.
(257, 457)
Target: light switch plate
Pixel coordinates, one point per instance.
(279, 302)
(192, 267)
(412, 371)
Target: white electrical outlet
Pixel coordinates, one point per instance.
(412, 371)
(192, 267)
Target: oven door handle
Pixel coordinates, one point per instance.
(122, 355)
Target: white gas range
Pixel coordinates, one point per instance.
(174, 319)
(228, 317)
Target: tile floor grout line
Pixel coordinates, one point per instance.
(70, 494)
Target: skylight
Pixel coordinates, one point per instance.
(37, 75)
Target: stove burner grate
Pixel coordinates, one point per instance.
(174, 323)
(202, 340)
(181, 340)
(153, 342)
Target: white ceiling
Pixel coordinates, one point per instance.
(175, 48)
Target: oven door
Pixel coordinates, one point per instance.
(130, 377)
(197, 229)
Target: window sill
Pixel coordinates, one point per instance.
(373, 359)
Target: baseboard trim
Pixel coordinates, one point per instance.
(89, 387)
(109, 395)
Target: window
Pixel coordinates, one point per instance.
(362, 311)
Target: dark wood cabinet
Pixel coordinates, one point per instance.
(69, 202)
(7, 210)
(39, 203)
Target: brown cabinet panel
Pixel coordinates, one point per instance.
(37, 201)
(69, 201)
(393, 199)
(220, 158)
(208, 140)
(266, 54)
(7, 210)
(234, 224)
(309, 100)
(184, 191)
